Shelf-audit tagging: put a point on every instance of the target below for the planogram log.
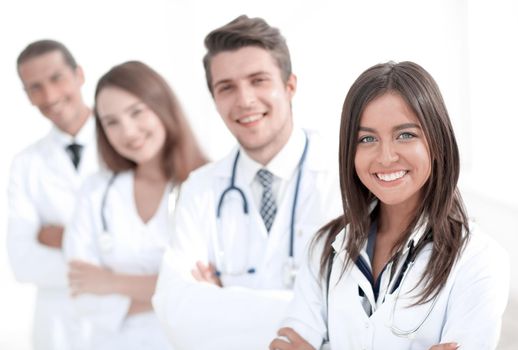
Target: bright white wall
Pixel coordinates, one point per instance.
(465, 45)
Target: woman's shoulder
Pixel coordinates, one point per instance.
(481, 247)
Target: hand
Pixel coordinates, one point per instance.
(88, 278)
(137, 307)
(206, 273)
(445, 346)
(290, 340)
(51, 236)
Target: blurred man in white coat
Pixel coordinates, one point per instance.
(44, 180)
(241, 225)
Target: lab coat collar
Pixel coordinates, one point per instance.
(83, 137)
(416, 235)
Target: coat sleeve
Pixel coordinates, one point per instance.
(30, 260)
(199, 315)
(107, 311)
(306, 313)
(478, 298)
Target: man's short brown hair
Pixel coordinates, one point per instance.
(244, 31)
(42, 47)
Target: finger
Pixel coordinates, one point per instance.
(212, 269)
(201, 266)
(446, 346)
(205, 271)
(198, 276)
(75, 276)
(77, 265)
(290, 334)
(280, 344)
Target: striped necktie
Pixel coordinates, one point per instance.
(268, 206)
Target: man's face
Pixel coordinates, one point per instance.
(252, 99)
(54, 88)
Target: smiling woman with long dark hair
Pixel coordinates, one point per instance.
(402, 268)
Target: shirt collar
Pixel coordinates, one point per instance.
(283, 165)
(83, 137)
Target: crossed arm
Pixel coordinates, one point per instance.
(87, 278)
(290, 340)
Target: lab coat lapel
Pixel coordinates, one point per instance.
(280, 230)
(357, 276)
(60, 164)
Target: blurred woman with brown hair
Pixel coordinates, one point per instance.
(116, 239)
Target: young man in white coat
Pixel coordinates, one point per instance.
(44, 180)
(241, 225)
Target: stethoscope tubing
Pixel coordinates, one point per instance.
(232, 187)
(104, 222)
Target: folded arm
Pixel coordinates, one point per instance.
(31, 246)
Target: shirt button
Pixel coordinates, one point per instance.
(367, 325)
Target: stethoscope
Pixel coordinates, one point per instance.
(396, 287)
(106, 239)
(290, 270)
(405, 269)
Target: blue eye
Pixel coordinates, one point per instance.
(406, 136)
(367, 139)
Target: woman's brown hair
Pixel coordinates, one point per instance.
(181, 153)
(441, 206)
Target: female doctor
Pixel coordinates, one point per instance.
(402, 268)
(118, 235)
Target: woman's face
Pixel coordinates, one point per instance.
(392, 157)
(131, 127)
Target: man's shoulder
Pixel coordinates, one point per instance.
(36, 152)
(212, 171)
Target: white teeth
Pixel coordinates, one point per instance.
(391, 176)
(251, 118)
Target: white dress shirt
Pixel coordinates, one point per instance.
(283, 167)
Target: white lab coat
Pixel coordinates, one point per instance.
(136, 248)
(246, 312)
(468, 309)
(42, 189)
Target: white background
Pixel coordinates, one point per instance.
(468, 46)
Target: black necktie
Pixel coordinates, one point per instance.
(74, 152)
